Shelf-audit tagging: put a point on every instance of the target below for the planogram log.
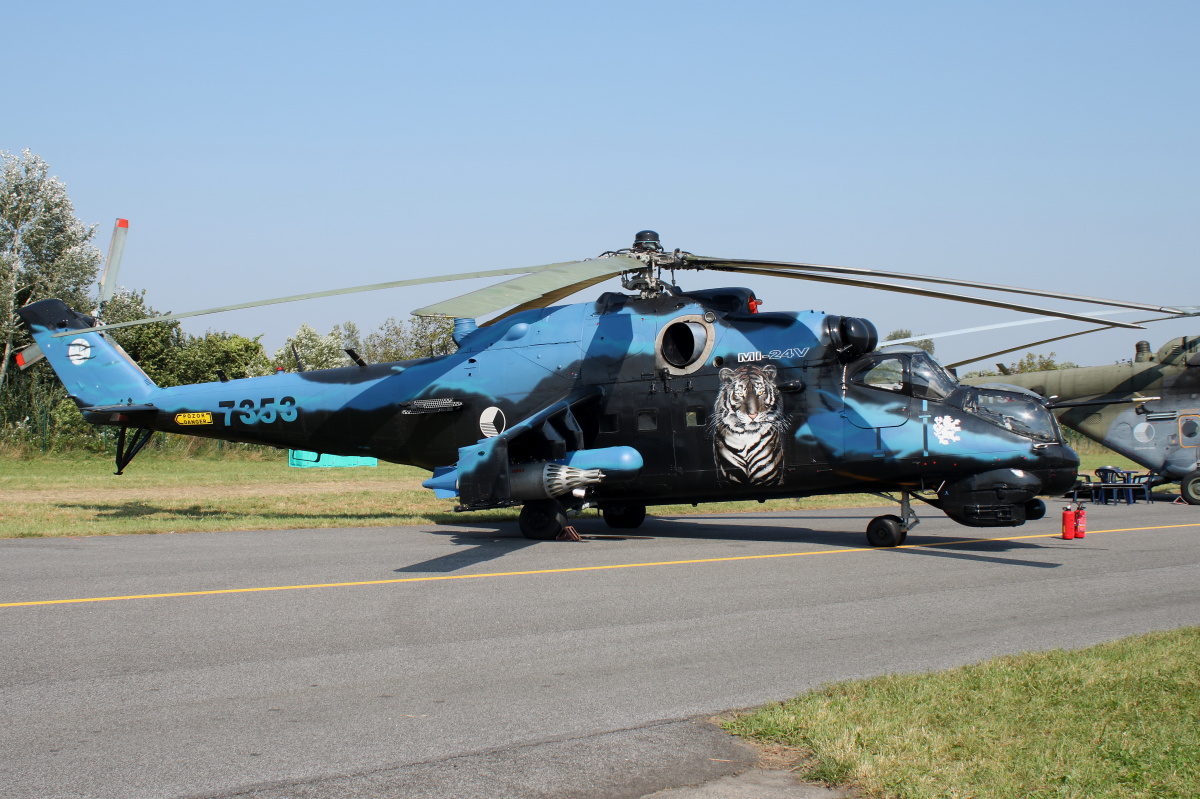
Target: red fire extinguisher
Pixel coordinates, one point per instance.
(1080, 522)
(1068, 523)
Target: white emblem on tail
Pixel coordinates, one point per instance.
(79, 351)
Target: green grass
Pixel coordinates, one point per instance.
(1115, 720)
(77, 494)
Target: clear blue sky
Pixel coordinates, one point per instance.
(263, 149)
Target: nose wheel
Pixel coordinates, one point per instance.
(892, 530)
(624, 517)
(542, 519)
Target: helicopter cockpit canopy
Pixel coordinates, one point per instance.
(904, 370)
(1010, 407)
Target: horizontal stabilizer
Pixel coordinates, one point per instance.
(30, 355)
(120, 409)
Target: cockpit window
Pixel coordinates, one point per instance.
(1021, 415)
(912, 373)
(930, 381)
(887, 374)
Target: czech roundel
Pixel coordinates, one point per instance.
(491, 422)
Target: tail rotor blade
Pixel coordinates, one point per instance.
(112, 264)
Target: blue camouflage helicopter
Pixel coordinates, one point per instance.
(643, 397)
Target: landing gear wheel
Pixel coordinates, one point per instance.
(542, 520)
(1189, 488)
(885, 531)
(624, 517)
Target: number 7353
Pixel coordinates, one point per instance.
(265, 412)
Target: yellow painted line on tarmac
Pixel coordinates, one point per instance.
(444, 577)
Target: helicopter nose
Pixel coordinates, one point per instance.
(1058, 469)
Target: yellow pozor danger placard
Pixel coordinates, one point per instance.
(193, 418)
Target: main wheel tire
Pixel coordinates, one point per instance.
(885, 531)
(624, 517)
(1189, 488)
(542, 520)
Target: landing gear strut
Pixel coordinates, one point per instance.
(891, 530)
(127, 450)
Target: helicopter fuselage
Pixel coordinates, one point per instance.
(679, 398)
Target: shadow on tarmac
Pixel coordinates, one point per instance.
(490, 541)
(140, 510)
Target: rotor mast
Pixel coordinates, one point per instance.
(647, 281)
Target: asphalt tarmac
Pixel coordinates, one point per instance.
(466, 661)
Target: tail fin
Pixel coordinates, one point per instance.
(93, 368)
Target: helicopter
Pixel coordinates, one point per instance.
(649, 396)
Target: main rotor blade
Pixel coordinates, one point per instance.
(550, 298)
(311, 296)
(1048, 341)
(1041, 320)
(546, 286)
(735, 264)
(941, 295)
(112, 264)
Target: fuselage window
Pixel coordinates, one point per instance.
(695, 417)
(647, 420)
(1189, 431)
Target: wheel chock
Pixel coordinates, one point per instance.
(569, 534)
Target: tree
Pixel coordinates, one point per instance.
(44, 250)
(1030, 363)
(171, 357)
(1039, 363)
(925, 343)
(315, 351)
(236, 356)
(155, 347)
(419, 337)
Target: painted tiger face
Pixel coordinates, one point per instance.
(748, 427)
(748, 399)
